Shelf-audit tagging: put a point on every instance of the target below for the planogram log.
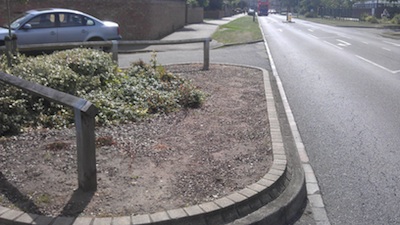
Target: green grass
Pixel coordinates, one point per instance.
(241, 30)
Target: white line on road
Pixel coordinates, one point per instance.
(392, 43)
(313, 36)
(343, 43)
(280, 30)
(387, 49)
(311, 30)
(377, 65)
(315, 198)
(333, 45)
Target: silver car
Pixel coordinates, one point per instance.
(59, 25)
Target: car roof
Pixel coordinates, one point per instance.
(49, 10)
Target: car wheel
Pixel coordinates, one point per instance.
(101, 48)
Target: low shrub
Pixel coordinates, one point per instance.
(395, 19)
(363, 16)
(371, 19)
(121, 96)
(310, 15)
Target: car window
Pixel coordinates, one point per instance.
(88, 21)
(72, 20)
(17, 22)
(43, 21)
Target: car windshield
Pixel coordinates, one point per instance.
(17, 23)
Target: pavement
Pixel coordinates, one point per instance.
(280, 197)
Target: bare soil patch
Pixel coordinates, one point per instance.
(170, 161)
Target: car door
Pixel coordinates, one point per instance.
(72, 27)
(39, 30)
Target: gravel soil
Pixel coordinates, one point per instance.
(170, 161)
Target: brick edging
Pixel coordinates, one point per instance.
(220, 211)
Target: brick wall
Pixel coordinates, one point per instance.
(195, 15)
(138, 19)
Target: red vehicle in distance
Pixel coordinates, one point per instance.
(262, 7)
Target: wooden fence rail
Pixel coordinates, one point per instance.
(114, 45)
(84, 112)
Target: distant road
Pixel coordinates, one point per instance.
(343, 86)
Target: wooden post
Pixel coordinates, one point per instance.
(114, 50)
(8, 44)
(206, 63)
(86, 150)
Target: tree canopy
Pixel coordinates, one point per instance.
(201, 3)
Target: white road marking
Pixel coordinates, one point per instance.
(313, 36)
(392, 43)
(377, 65)
(311, 30)
(343, 43)
(280, 30)
(333, 45)
(387, 49)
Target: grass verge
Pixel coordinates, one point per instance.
(241, 30)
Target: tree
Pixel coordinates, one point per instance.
(215, 4)
(232, 3)
(201, 3)
(12, 44)
(309, 5)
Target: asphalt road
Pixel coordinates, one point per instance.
(343, 86)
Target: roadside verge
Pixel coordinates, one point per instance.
(271, 190)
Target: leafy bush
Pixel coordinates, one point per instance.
(121, 96)
(395, 19)
(363, 16)
(310, 15)
(371, 19)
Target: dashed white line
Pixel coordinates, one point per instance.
(343, 43)
(387, 49)
(333, 45)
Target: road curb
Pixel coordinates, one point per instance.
(275, 199)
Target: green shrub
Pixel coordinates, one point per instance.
(120, 96)
(371, 19)
(395, 19)
(310, 15)
(13, 111)
(363, 16)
